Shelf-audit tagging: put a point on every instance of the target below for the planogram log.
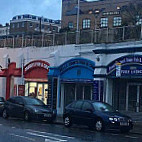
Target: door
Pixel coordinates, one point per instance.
(87, 114)
(134, 97)
(19, 107)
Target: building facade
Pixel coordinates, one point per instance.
(30, 24)
(120, 68)
(95, 14)
(4, 30)
(61, 74)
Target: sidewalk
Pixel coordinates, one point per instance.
(136, 117)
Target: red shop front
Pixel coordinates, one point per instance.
(34, 76)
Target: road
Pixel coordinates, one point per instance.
(14, 130)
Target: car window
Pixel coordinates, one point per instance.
(87, 106)
(1, 99)
(18, 100)
(103, 107)
(73, 105)
(11, 100)
(33, 101)
(78, 105)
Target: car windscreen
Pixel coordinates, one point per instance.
(1, 99)
(103, 107)
(33, 101)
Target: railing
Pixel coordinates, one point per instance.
(107, 35)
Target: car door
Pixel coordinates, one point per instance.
(87, 113)
(19, 107)
(76, 115)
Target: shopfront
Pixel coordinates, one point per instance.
(35, 78)
(124, 75)
(73, 80)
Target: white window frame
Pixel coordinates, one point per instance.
(86, 23)
(104, 22)
(117, 21)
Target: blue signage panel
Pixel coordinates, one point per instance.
(98, 90)
(125, 67)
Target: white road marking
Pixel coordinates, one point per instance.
(31, 139)
(49, 140)
(131, 137)
(1, 124)
(44, 136)
(13, 127)
(52, 134)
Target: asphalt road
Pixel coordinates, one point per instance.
(14, 130)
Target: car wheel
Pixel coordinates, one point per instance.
(4, 114)
(67, 121)
(27, 116)
(99, 125)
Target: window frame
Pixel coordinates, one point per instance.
(104, 22)
(86, 23)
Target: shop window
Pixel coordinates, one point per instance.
(117, 21)
(79, 94)
(104, 22)
(87, 92)
(86, 23)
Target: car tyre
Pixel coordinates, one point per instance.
(99, 126)
(27, 116)
(5, 114)
(67, 121)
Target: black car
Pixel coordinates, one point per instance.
(28, 108)
(98, 115)
(1, 104)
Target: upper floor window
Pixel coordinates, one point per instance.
(31, 25)
(104, 22)
(23, 24)
(18, 25)
(86, 23)
(13, 25)
(138, 20)
(70, 25)
(117, 21)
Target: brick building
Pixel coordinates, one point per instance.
(93, 15)
(30, 24)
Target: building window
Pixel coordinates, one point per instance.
(70, 25)
(13, 26)
(23, 24)
(86, 23)
(31, 25)
(42, 26)
(104, 22)
(18, 25)
(138, 20)
(117, 21)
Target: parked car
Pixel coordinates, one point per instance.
(28, 109)
(1, 104)
(98, 115)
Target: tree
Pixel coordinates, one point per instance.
(131, 13)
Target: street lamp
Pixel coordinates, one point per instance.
(77, 29)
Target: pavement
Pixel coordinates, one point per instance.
(136, 117)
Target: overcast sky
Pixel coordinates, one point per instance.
(46, 8)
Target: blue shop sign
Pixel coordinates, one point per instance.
(129, 66)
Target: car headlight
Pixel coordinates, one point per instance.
(113, 119)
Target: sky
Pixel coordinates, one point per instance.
(47, 8)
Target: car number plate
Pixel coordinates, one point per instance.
(124, 124)
(47, 115)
